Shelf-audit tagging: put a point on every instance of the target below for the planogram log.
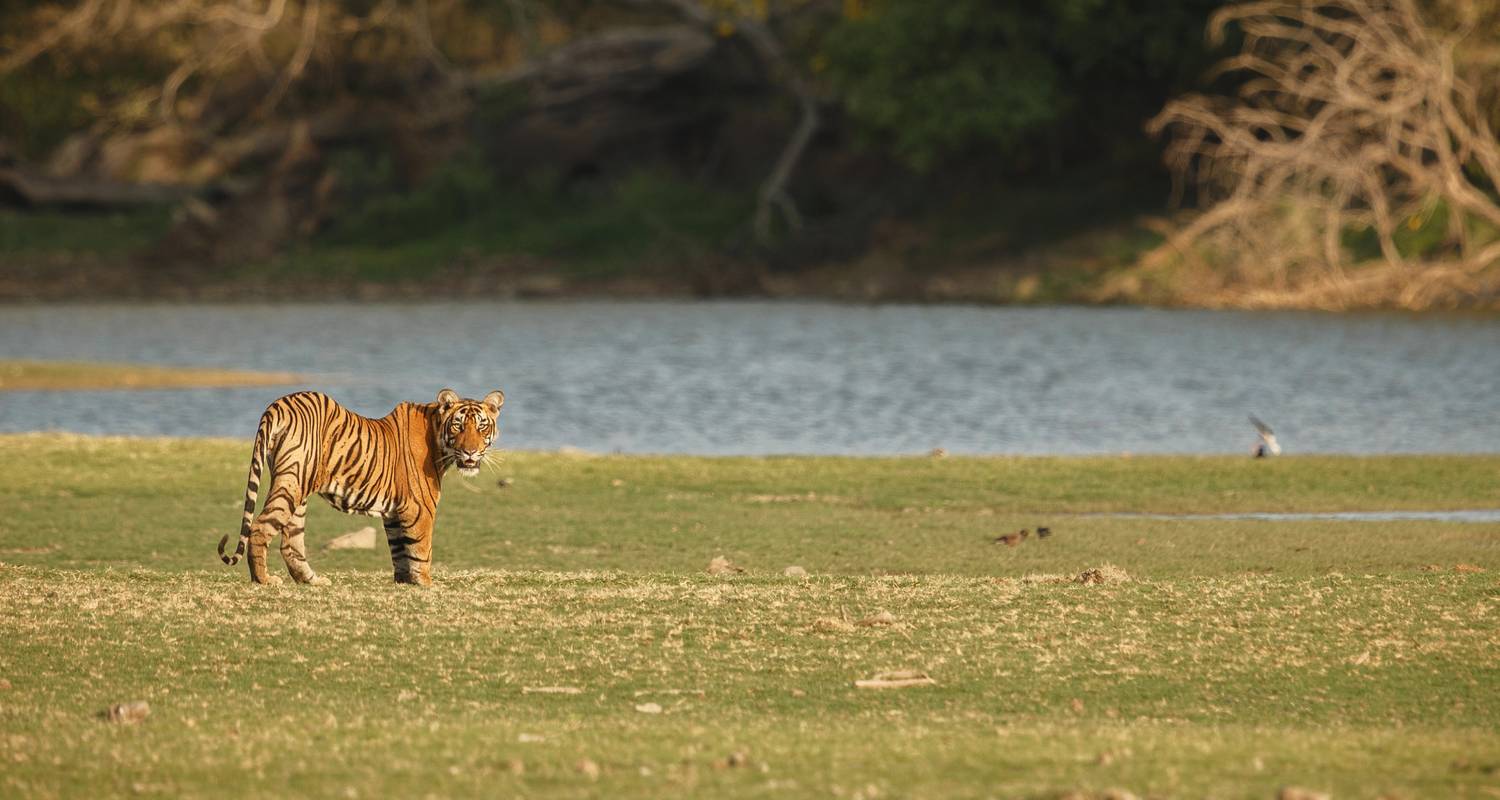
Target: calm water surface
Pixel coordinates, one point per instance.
(752, 377)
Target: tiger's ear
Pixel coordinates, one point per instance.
(448, 397)
(495, 400)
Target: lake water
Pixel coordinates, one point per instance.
(763, 377)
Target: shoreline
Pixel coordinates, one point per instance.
(339, 294)
(1085, 271)
(568, 452)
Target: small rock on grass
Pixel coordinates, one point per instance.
(1299, 793)
(362, 539)
(722, 566)
(794, 571)
(738, 758)
(127, 713)
(1107, 794)
(896, 679)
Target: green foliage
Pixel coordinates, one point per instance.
(382, 214)
(58, 94)
(1424, 236)
(38, 111)
(109, 234)
(462, 210)
(937, 80)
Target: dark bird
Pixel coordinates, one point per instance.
(1042, 533)
(1267, 444)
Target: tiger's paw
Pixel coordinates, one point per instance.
(271, 580)
(318, 580)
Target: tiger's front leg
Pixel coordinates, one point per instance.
(411, 548)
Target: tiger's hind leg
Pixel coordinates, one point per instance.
(262, 531)
(294, 549)
(274, 520)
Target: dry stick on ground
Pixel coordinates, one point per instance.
(1357, 114)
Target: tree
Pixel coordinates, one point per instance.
(940, 81)
(1355, 117)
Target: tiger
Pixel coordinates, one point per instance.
(391, 468)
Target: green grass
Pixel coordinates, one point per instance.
(641, 223)
(1240, 657)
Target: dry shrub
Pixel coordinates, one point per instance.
(1355, 118)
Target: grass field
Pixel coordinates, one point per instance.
(573, 646)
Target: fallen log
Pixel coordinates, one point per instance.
(28, 188)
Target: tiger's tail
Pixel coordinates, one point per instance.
(252, 490)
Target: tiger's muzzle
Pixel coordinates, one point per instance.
(468, 462)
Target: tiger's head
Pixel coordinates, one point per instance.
(465, 429)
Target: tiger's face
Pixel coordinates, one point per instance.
(465, 428)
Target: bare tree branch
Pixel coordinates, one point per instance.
(1352, 115)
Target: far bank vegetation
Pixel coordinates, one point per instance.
(1356, 165)
(1340, 155)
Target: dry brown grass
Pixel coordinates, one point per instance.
(1192, 687)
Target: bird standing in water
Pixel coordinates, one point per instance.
(1267, 445)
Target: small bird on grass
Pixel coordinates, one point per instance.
(1043, 532)
(1013, 539)
(1267, 444)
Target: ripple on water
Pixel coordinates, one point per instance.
(765, 377)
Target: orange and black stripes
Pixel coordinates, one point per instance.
(390, 468)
